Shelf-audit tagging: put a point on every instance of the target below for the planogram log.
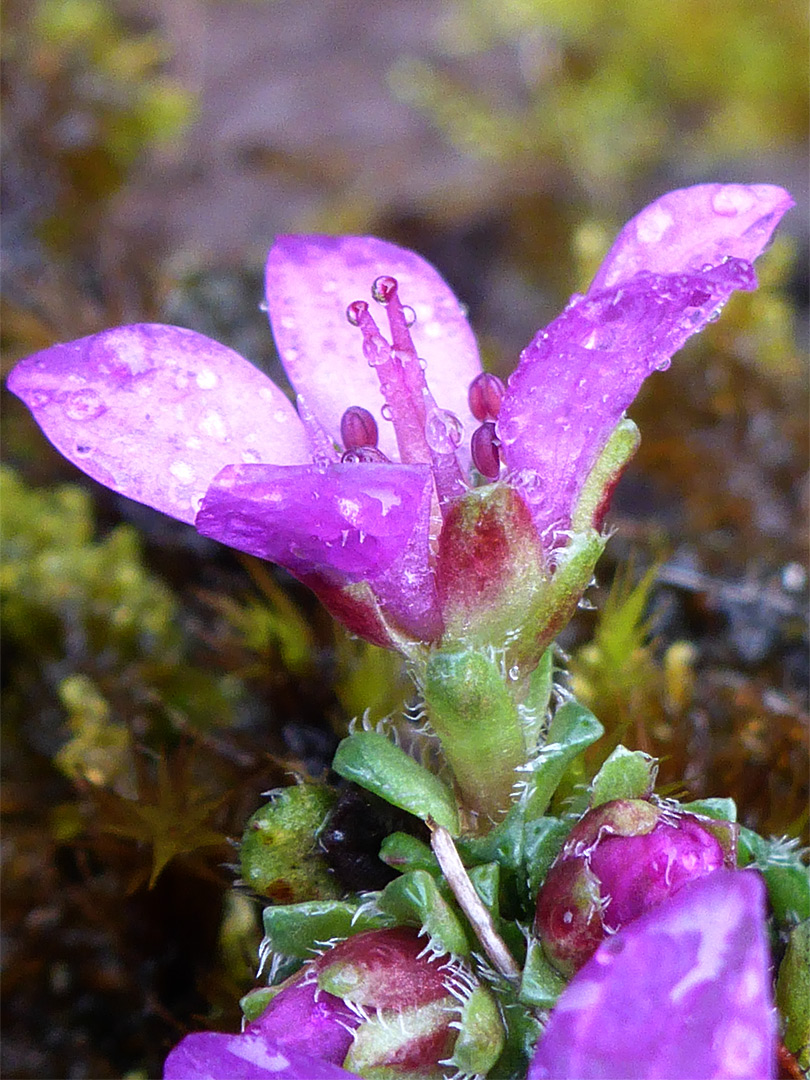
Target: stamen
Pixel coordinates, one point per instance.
(485, 396)
(484, 451)
(358, 428)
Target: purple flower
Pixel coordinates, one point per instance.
(621, 859)
(351, 493)
(683, 991)
(379, 1003)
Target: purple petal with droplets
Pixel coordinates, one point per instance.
(347, 522)
(686, 229)
(154, 412)
(578, 376)
(310, 282)
(302, 1017)
(208, 1055)
(683, 991)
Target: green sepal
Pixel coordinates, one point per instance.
(786, 876)
(300, 929)
(486, 880)
(533, 709)
(626, 774)
(379, 1042)
(481, 1035)
(254, 1003)
(404, 852)
(543, 841)
(372, 761)
(415, 899)
(279, 857)
(541, 984)
(793, 993)
(603, 477)
(572, 729)
(720, 809)
(473, 713)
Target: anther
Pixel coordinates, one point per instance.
(383, 288)
(484, 451)
(358, 428)
(485, 396)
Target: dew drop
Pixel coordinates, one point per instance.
(193, 443)
(387, 414)
(213, 425)
(264, 306)
(182, 471)
(207, 379)
(408, 314)
(251, 457)
(38, 399)
(383, 288)
(443, 431)
(732, 199)
(355, 310)
(514, 673)
(422, 363)
(84, 405)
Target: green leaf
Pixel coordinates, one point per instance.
(793, 993)
(486, 880)
(415, 899)
(404, 852)
(572, 729)
(300, 929)
(503, 844)
(533, 709)
(720, 809)
(626, 774)
(543, 839)
(372, 761)
(541, 984)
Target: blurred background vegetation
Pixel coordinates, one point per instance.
(155, 685)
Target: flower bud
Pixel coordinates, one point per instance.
(621, 859)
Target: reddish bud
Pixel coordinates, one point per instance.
(484, 450)
(485, 396)
(358, 428)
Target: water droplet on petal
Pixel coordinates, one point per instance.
(652, 223)
(732, 199)
(387, 414)
(408, 314)
(207, 379)
(213, 425)
(38, 399)
(364, 455)
(443, 431)
(514, 673)
(263, 306)
(84, 405)
(182, 471)
(251, 457)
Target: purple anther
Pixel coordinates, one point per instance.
(363, 454)
(358, 428)
(384, 288)
(484, 449)
(355, 310)
(485, 396)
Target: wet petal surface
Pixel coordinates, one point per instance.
(310, 282)
(681, 991)
(154, 412)
(208, 1055)
(686, 229)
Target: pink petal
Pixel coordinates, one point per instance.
(682, 991)
(207, 1055)
(686, 229)
(578, 376)
(347, 522)
(154, 412)
(311, 280)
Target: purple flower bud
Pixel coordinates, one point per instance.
(484, 451)
(620, 860)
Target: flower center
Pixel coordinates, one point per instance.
(424, 432)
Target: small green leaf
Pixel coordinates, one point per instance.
(572, 729)
(720, 809)
(793, 993)
(254, 1003)
(503, 844)
(373, 762)
(404, 852)
(541, 984)
(544, 837)
(300, 929)
(481, 1035)
(786, 876)
(414, 899)
(486, 879)
(626, 774)
(533, 709)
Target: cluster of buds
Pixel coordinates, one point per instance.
(380, 1004)
(619, 861)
